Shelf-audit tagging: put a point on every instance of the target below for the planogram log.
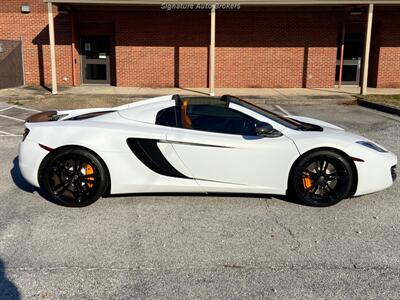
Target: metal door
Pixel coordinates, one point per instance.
(95, 57)
(351, 71)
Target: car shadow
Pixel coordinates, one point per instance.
(8, 290)
(21, 183)
(25, 186)
(19, 180)
(221, 195)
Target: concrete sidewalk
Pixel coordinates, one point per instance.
(284, 95)
(262, 92)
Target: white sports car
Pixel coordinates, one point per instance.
(175, 144)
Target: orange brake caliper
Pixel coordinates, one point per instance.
(89, 171)
(307, 183)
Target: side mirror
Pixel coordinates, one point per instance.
(266, 130)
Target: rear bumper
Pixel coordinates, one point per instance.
(30, 156)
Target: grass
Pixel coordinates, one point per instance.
(392, 100)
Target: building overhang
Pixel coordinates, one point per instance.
(240, 2)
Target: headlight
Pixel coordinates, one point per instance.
(371, 146)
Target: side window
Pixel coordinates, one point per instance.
(167, 117)
(216, 118)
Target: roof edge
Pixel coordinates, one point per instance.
(240, 2)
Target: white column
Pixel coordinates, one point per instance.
(366, 49)
(52, 49)
(212, 53)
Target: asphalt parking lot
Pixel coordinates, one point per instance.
(200, 246)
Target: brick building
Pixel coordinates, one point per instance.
(263, 44)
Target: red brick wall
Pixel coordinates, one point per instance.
(160, 48)
(255, 48)
(276, 49)
(33, 30)
(388, 65)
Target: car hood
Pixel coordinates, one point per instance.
(330, 136)
(312, 121)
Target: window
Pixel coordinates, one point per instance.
(207, 114)
(166, 117)
(216, 118)
(287, 122)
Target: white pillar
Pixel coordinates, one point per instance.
(212, 53)
(52, 49)
(366, 49)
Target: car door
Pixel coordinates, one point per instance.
(222, 155)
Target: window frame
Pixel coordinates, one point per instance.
(179, 124)
(226, 102)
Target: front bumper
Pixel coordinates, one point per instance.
(375, 172)
(30, 156)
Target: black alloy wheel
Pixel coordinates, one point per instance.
(74, 177)
(322, 178)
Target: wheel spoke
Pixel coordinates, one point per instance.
(314, 189)
(332, 192)
(332, 177)
(77, 196)
(324, 166)
(60, 188)
(311, 171)
(78, 166)
(66, 172)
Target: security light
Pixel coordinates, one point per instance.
(25, 8)
(355, 11)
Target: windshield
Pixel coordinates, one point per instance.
(269, 114)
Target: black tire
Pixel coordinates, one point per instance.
(73, 177)
(321, 178)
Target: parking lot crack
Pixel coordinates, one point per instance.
(285, 228)
(289, 232)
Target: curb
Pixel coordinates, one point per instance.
(377, 106)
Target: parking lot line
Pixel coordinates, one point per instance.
(25, 108)
(283, 110)
(3, 109)
(4, 133)
(12, 118)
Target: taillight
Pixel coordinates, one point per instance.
(26, 132)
